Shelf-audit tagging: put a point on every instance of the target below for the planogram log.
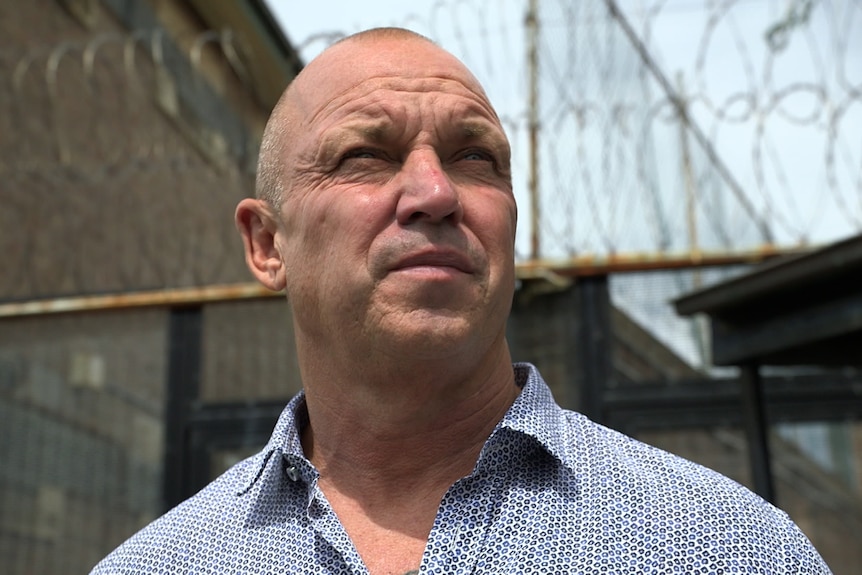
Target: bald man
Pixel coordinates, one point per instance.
(384, 210)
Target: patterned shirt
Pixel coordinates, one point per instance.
(552, 492)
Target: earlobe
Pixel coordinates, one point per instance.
(257, 224)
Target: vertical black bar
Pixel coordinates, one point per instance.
(594, 340)
(184, 368)
(757, 431)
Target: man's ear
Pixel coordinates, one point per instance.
(257, 224)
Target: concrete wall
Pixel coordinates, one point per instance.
(81, 435)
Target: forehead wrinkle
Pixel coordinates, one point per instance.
(419, 85)
(362, 112)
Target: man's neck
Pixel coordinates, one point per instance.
(389, 443)
(385, 438)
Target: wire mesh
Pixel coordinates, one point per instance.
(81, 435)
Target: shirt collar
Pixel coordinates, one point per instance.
(534, 414)
(285, 443)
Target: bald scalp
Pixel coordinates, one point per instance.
(277, 134)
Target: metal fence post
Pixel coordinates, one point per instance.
(184, 369)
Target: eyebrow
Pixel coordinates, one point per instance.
(472, 129)
(331, 142)
(483, 132)
(376, 131)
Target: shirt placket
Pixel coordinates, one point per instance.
(462, 525)
(339, 553)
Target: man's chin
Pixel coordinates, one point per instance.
(433, 298)
(428, 332)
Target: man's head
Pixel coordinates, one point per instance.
(385, 205)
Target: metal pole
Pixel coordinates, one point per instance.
(532, 23)
(594, 341)
(688, 177)
(581, 266)
(757, 431)
(184, 369)
(699, 323)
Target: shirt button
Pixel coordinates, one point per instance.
(292, 473)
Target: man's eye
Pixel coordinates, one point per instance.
(477, 155)
(361, 154)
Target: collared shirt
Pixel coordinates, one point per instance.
(551, 492)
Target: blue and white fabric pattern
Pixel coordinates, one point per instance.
(552, 492)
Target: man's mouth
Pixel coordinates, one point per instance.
(435, 258)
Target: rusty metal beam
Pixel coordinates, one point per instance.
(595, 265)
(553, 271)
(155, 298)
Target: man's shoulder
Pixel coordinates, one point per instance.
(624, 483)
(616, 467)
(605, 452)
(612, 466)
(594, 452)
(251, 493)
(173, 538)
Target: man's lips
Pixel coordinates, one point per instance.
(435, 259)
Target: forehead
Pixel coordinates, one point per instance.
(379, 102)
(351, 74)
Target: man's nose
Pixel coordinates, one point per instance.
(426, 192)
